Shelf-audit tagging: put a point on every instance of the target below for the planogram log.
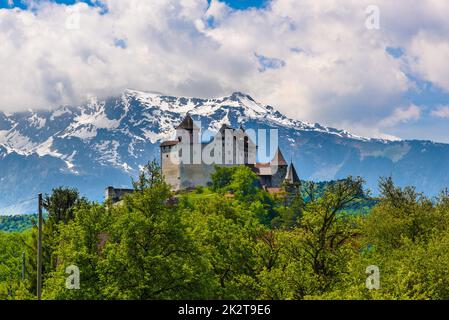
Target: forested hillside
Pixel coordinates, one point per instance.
(17, 223)
(235, 241)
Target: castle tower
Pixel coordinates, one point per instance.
(170, 169)
(278, 168)
(174, 152)
(292, 183)
(188, 130)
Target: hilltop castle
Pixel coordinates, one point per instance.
(188, 162)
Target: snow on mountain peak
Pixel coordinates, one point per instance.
(105, 142)
(131, 120)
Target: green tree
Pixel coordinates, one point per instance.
(313, 254)
(226, 233)
(221, 178)
(60, 204)
(243, 184)
(325, 227)
(12, 247)
(150, 176)
(402, 214)
(80, 243)
(149, 253)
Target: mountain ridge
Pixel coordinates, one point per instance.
(106, 142)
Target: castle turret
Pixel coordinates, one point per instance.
(292, 176)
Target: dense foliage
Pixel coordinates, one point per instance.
(236, 241)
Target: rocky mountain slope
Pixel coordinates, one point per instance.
(104, 143)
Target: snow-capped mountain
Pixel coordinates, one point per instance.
(104, 143)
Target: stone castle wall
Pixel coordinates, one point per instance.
(170, 170)
(193, 175)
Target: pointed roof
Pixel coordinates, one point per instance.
(292, 175)
(187, 123)
(279, 158)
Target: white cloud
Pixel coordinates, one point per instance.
(429, 56)
(441, 112)
(402, 115)
(323, 63)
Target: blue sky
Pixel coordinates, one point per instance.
(237, 4)
(243, 4)
(314, 61)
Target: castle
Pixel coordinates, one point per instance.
(188, 162)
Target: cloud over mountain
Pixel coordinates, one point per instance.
(316, 60)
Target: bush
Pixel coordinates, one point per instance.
(199, 189)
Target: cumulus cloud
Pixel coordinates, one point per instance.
(441, 112)
(429, 54)
(402, 115)
(314, 60)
